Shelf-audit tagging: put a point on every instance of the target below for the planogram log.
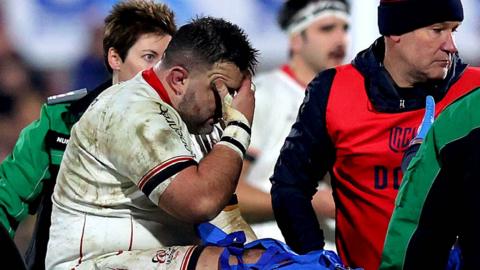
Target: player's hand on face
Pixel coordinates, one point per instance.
(242, 102)
(244, 99)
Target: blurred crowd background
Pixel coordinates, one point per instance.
(49, 47)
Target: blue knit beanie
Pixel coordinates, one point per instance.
(396, 17)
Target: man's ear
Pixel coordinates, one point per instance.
(296, 42)
(114, 59)
(394, 38)
(177, 79)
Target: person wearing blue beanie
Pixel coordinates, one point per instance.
(396, 17)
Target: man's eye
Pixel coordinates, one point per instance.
(438, 29)
(326, 28)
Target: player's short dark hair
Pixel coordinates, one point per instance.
(291, 7)
(205, 41)
(130, 19)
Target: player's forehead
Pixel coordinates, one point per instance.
(227, 72)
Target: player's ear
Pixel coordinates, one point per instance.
(114, 59)
(177, 79)
(296, 43)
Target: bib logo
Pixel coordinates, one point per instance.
(400, 138)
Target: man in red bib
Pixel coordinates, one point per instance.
(355, 122)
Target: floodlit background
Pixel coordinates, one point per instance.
(56, 34)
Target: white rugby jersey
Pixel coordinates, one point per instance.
(129, 143)
(278, 97)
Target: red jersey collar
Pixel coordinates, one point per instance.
(152, 79)
(288, 70)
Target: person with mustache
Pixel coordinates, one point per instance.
(357, 120)
(318, 38)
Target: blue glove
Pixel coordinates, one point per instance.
(455, 261)
(428, 118)
(422, 131)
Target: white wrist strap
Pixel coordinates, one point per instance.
(236, 136)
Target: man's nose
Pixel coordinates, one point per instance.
(449, 44)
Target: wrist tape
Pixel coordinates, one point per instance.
(236, 136)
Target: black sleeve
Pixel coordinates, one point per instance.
(9, 253)
(306, 156)
(408, 155)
